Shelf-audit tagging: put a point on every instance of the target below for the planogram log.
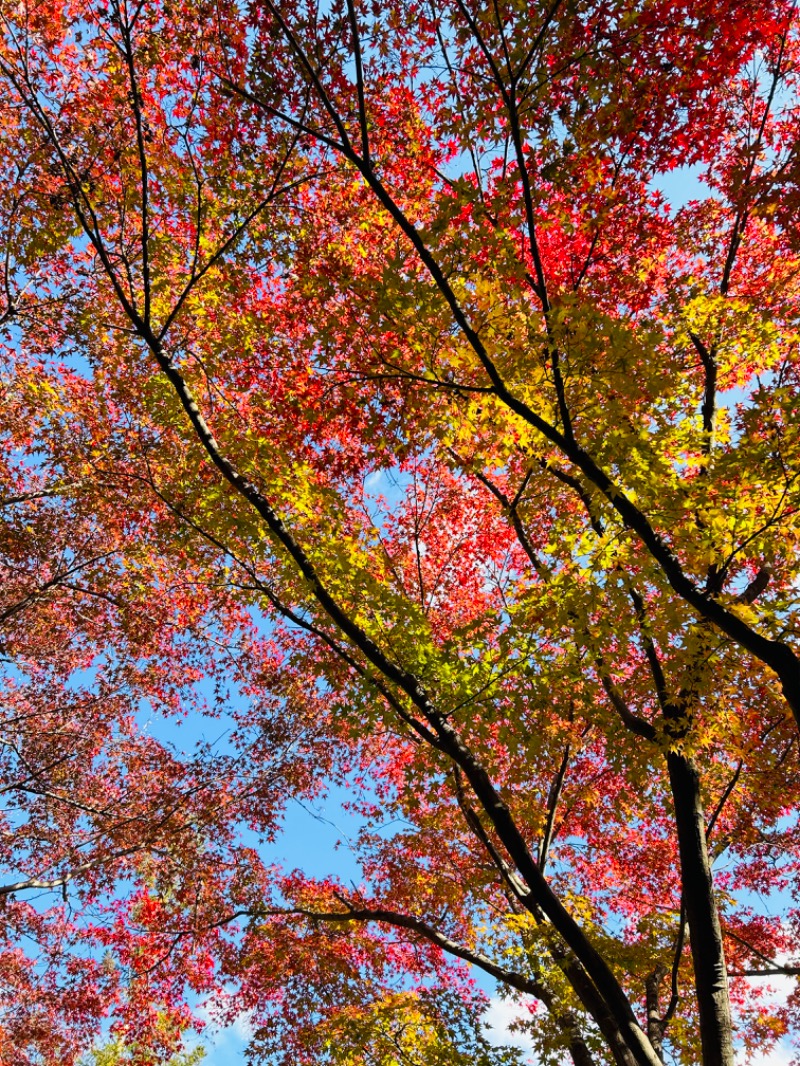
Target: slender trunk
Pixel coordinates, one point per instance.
(541, 898)
(578, 1049)
(705, 933)
(570, 1026)
(596, 1007)
(655, 1023)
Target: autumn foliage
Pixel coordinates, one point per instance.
(380, 408)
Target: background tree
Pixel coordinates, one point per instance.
(373, 321)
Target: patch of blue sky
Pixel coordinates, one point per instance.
(681, 186)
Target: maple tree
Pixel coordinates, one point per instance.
(360, 388)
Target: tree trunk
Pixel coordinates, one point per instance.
(705, 933)
(655, 1022)
(596, 1007)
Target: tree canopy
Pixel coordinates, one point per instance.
(366, 397)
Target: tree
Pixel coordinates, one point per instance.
(371, 321)
(116, 1054)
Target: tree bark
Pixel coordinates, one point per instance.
(655, 1023)
(705, 933)
(596, 1007)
